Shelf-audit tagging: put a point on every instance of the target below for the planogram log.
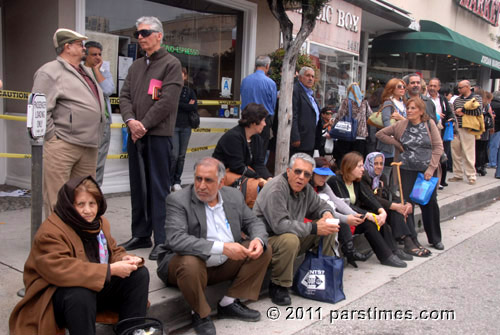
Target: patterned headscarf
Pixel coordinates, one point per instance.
(369, 166)
(355, 94)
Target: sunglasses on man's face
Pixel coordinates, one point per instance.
(144, 32)
(298, 172)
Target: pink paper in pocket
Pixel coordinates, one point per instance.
(152, 84)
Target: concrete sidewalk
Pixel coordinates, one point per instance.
(168, 304)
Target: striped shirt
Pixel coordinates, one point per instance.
(460, 102)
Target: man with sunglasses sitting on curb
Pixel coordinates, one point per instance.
(148, 104)
(282, 205)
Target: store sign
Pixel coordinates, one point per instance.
(488, 10)
(338, 25)
(490, 62)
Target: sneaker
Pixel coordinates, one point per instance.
(203, 326)
(441, 187)
(176, 187)
(279, 295)
(472, 181)
(239, 311)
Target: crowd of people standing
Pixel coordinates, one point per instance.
(237, 219)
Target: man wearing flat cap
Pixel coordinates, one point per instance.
(75, 113)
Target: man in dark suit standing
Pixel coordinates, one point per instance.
(204, 245)
(305, 113)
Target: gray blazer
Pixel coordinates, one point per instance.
(186, 225)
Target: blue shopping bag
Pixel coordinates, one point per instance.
(423, 189)
(448, 131)
(320, 277)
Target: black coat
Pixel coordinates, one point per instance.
(185, 108)
(233, 150)
(365, 200)
(304, 119)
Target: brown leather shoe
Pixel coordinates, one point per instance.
(454, 179)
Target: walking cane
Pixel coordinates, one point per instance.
(398, 164)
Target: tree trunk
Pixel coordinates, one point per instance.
(310, 10)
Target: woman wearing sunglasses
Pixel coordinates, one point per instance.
(347, 185)
(393, 109)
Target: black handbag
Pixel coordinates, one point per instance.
(129, 326)
(194, 119)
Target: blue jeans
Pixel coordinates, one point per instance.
(180, 142)
(493, 149)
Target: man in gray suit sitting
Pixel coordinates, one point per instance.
(204, 246)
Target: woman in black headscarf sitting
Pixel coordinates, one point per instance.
(75, 269)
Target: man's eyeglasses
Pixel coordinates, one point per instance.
(298, 172)
(460, 87)
(144, 32)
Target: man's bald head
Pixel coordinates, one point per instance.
(464, 88)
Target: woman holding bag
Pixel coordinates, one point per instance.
(358, 107)
(419, 147)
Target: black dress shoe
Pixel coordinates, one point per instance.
(203, 326)
(394, 261)
(279, 295)
(438, 246)
(403, 255)
(237, 310)
(154, 253)
(137, 243)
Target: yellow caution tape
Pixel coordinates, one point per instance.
(114, 156)
(210, 130)
(19, 95)
(208, 147)
(218, 102)
(118, 125)
(14, 95)
(13, 118)
(15, 155)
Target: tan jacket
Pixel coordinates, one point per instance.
(57, 259)
(393, 133)
(74, 113)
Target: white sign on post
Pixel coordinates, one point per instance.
(37, 115)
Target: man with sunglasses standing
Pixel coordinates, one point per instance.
(148, 104)
(75, 113)
(282, 205)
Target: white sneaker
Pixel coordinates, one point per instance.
(176, 187)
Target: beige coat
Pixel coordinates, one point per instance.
(57, 259)
(74, 113)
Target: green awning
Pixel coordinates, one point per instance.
(433, 38)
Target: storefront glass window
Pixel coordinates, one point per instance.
(202, 35)
(337, 71)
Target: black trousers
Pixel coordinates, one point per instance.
(372, 235)
(75, 308)
(266, 132)
(156, 157)
(430, 212)
(398, 225)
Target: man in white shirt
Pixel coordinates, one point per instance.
(204, 245)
